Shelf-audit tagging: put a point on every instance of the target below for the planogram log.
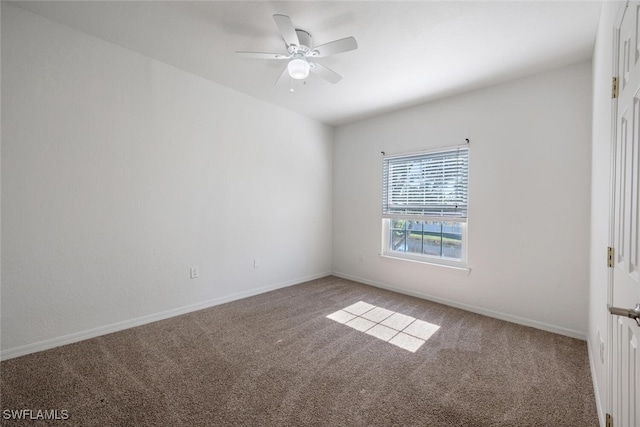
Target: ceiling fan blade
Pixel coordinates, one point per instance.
(262, 55)
(283, 77)
(326, 73)
(286, 29)
(336, 46)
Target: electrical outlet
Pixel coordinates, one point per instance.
(256, 263)
(361, 256)
(194, 273)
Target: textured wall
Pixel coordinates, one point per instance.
(529, 180)
(119, 173)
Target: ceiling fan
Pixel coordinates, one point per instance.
(300, 51)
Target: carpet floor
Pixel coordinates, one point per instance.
(276, 359)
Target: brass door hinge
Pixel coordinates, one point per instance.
(609, 420)
(614, 87)
(610, 257)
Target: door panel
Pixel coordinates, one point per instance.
(625, 363)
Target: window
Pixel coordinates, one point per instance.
(424, 206)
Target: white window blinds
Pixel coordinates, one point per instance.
(430, 184)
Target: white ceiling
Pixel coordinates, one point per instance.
(409, 52)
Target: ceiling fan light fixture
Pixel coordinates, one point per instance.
(298, 68)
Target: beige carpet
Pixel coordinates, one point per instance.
(277, 360)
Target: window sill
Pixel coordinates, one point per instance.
(465, 271)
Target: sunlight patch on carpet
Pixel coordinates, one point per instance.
(395, 328)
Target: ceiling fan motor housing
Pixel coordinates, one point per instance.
(305, 43)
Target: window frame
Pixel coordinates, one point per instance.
(387, 218)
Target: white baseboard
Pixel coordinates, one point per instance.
(594, 380)
(126, 324)
(474, 309)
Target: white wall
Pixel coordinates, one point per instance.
(600, 192)
(120, 172)
(528, 202)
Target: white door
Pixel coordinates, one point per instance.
(625, 339)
